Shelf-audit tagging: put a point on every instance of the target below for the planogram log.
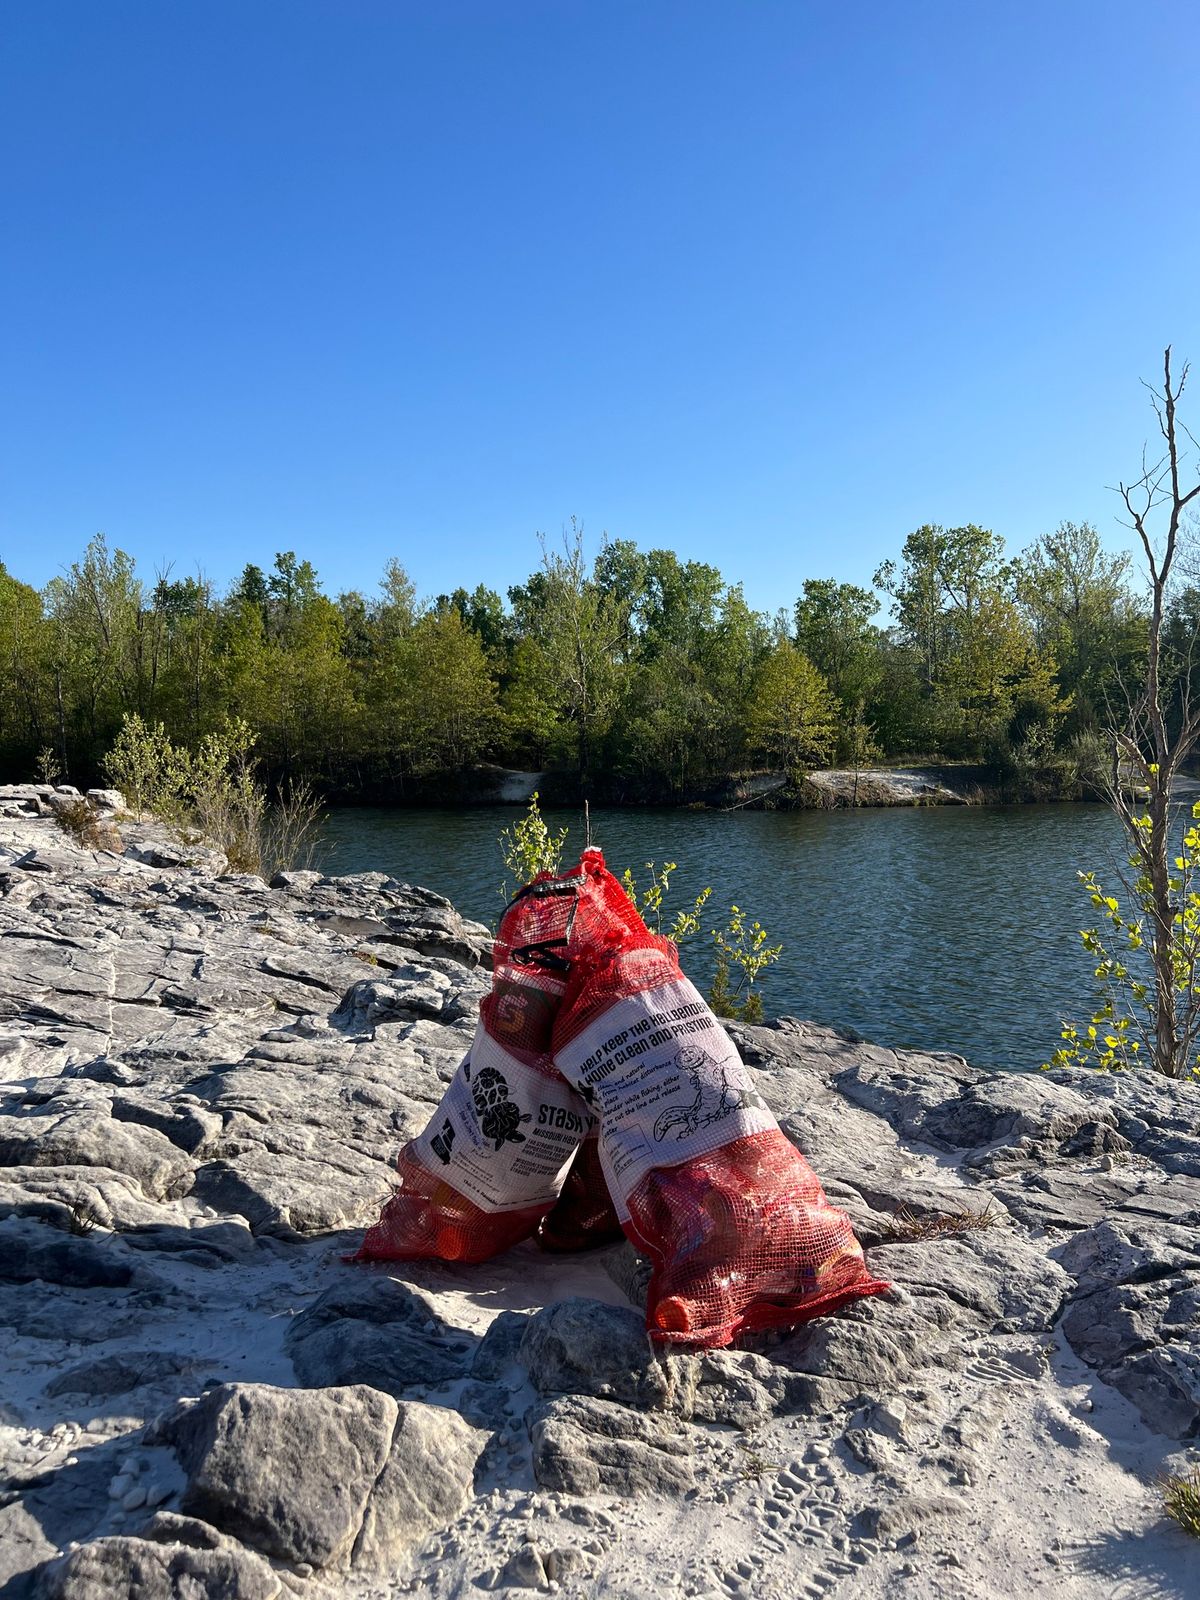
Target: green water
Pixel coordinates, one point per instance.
(951, 928)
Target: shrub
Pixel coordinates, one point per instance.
(213, 795)
(147, 768)
(49, 769)
(528, 847)
(649, 902)
(742, 955)
(1132, 1009)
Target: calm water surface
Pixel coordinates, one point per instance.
(951, 928)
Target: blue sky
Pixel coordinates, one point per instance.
(767, 283)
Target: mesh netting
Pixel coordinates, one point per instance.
(590, 1024)
(428, 1219)
(742, 1238)
(730, 1214)
(492, 1160)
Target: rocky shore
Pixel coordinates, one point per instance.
(205, 1081)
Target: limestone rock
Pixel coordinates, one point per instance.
(288, 1471)
(586, 1446)
(30, 1252)
(122, 1566)
(586, 1347)
(106, 799)
(93, 1139)
(117, 1374)
(204, 1081)
(992, 1276)
(1144, 1338)
(410, 991)
(372, 1330)
(425, 1483)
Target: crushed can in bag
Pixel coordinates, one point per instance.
(494, 1157)
(731, 1216)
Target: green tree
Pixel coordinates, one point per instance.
(1077, 598)
(834, 629)
(292, 587)
(578, 632)
(482, 610)
(793, 715)
(441, 711)
(93, 612)
(25, 709)
(179, 678)
(954, 601)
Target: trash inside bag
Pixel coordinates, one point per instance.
(602, 1095)
(703, 1181)
(494, 1157)
(584, 1216)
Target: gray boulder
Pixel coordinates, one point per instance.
(586, 1347)
(585, 1446)
(31, 1252)
(373, 1330)
(288, 1471)
(91, 1138)
(426, 1483)
(409, 991)
(109, 1569)
(106, 799)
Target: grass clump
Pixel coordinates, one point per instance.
(78, 821)
(910, 1227)
(1181, 1500)
(83, 1218)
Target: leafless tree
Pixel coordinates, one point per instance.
(1150, 752)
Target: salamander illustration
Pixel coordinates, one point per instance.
(499, 1117)
(716, 1096)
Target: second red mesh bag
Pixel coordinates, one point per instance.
(705, 1184)
(494, 1156)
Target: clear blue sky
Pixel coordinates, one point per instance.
(767, 283)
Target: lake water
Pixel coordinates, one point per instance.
(948, 928)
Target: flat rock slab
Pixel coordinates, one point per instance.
(205, 1082)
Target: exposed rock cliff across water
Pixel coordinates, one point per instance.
(206, 1079)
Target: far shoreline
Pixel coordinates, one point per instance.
(826, 789)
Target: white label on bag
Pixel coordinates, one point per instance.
(666, 1082)
(504, 1133)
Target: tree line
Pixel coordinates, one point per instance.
(642, 674)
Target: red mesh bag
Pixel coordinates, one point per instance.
(732, 1217)
(494, 1156)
